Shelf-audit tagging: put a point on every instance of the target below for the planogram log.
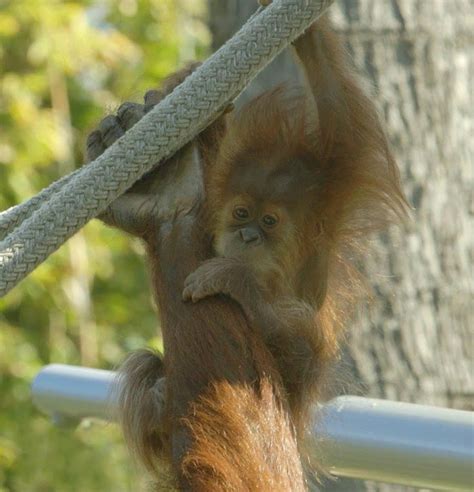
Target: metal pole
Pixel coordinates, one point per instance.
(355, 437)
(71, 393)
(395, 442)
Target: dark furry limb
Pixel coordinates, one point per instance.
(227, 425)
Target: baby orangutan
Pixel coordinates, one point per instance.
(297, 182)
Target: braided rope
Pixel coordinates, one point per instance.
(13, 216)
(71, 202)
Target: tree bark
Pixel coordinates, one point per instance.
(414, 341)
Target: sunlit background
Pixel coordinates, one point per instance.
(62, 66)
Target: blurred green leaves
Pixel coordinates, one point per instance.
(63, 65)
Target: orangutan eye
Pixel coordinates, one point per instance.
(240, 213)
(270, 220)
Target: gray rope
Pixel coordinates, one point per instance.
(73, 201)
(13, 216)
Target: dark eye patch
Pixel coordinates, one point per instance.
(240, 213)
(269, 220)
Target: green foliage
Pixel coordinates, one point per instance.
(62, 66)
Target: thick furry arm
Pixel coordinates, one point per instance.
(163, 192)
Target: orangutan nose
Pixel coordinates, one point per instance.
(250, 235)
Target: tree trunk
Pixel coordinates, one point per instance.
(413, 343)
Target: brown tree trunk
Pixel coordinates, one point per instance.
(414, 342)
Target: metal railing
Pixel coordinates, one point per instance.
(362, 438)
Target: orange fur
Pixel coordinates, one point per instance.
(215, 365)
(341, 184)
(242, 376)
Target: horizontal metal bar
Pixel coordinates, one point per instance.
(386, 441)
(355, 437)
(72, 393)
